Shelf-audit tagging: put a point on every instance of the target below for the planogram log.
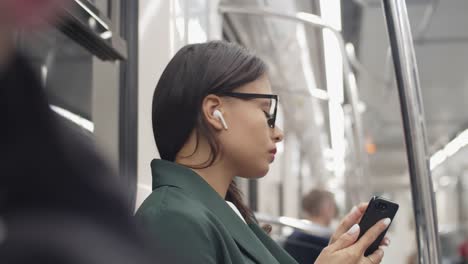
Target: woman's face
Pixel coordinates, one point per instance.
(249, 143)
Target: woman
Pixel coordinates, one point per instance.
(214, 119)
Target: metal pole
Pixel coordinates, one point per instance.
(350, 89)
(406, 72)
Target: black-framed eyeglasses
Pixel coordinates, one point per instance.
(270, 115)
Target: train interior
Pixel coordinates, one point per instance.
(332, 64)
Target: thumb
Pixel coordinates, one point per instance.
(346, 239)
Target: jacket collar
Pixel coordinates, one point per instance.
(167, 173)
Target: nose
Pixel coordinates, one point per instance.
(278, 134)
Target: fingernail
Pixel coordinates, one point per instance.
(388, 241)
(353, 229)
(354, 210)
(383, 247)
(387, 221)
(380, 253)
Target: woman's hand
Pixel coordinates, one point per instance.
(344, 247)
(351, 219)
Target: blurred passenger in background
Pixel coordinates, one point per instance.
(319, 207)
(413, 258)
(59, 202)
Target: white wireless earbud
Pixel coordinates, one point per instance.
(219, 115)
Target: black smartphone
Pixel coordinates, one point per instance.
(378, 209)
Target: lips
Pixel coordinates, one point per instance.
(273, 151)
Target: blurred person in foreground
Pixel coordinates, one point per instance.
(59, 202)
(319, 207)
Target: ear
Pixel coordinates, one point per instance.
(210, 103)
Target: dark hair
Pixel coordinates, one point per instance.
(196, 71)
(312, 202)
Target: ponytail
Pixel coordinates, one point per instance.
(234, 195)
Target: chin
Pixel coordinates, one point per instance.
(258, 173)
(263, 171)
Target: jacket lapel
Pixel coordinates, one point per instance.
(279, 253)
(168, 173)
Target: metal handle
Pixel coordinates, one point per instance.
(295, 223)
(407, 76)
(87, 26)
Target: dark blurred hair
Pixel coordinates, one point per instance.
(196, 71)
(312, 201)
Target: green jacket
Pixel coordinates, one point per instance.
(191, 223)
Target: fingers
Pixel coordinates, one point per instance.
(376, 257)
(386, 241)
(349, 220)
(363, 207)
(372, 234)
(346, 239)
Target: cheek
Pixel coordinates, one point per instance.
(249, 145)
(252, 132)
